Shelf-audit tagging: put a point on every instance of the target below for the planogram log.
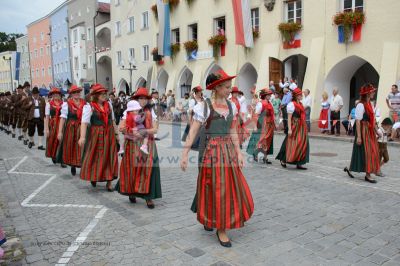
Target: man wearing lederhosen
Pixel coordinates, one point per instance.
(35, 106)
(19, 118)
(7, 108)
(27, 92)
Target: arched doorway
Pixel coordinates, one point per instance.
(348, 76)
(294, 67)
(275, 71)
(123, 86)
(162, 81)
(184, 81)
(247, 79)
(211, 69)
(104, 72)
(141, 82)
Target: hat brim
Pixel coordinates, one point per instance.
(55, 92)
(138, 96)
(99, 91)
(217, 82)
(74, 91)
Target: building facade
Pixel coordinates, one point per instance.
(60, 46)
(40, 53)
(81, 16)
(9, 72)
(319, 62)
(24, 69)
(133, 36)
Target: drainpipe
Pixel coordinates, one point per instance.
(94, 43)
(29, 58)
(69, 51)
(51, 55)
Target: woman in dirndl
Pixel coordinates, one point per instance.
(295, 148)
(139, 173)
(71, 116)
(223, 198)
(365, 156)
(98, 136)
(196, 98)
(243, 133)
(51, 124)
(262, 138)
(324, 122)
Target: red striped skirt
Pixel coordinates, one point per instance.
(71, 151)
(296, 145)
(224, 199)
(136, 169)
(243, 133)
(267, 135)
(100, 160)
(52, 141)
(371, 148)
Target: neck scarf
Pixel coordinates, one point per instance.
(103, 112)
(300, 109)
(370, 112)
(56, 104)
(78, 109)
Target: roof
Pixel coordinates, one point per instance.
(103, 7)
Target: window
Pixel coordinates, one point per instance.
(145, 20)
(90, 61)
(36, 54)
(49, 71)
(41, 51)
(352, 5)
(34, 39)
(37, 73)
(119, 58)
(75, 35)
(48, 49)
(293, 11)
(76, 63)
(43, 73)
(219, 26)
(193, 32)
(72, 17)
(65, 42)
(89, 33)
(255, 19)
(145, 53)
(131, 54)
(175, 36)
(116, 2)
(42, 36)
(131, 25)
(117, 28)
(33, 73)
(23, 49)
(79, 13)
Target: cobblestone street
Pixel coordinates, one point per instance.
(313, 217)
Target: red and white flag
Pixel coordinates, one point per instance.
(243, 27)
(295, 43)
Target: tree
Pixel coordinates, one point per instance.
(7, 41)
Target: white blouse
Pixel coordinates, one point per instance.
(199, 111)
(259, 108)
(47, 110)
(290, 108)
(64, 110)
(87, 113)
(360, 110)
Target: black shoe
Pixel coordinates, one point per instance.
(26, 142)
(13, 136)
(20, 137)
(300, 167)
(373, 181)
(132, 199)
(41, 148)
(73, 170)
(255, 158)
(348, 172)
(283, 164)
(8, 132)
(53, 160)
(157, 139)
(149, 205)
(93, 183)
(30, 145)
(265, 160)
(227, 244)
(240, 146)
(209, 229)
(63, 166)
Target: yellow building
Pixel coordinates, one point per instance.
(320, 63)
(7, 60)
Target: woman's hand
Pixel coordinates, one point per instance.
(289, 132)
(81, 142)
(184, 161)
(46, 133)
(59, 136)
(240, 159)
(359, 141)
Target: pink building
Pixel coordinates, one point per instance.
(40, 52)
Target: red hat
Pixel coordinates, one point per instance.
(235, 90)
(266, 91)
(141, 92)
(74, 89)
(217, 78)
(297, 92)
(197, 89)
(54, 91)
(98, 88)
(367, 89)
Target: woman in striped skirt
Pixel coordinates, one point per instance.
(295, 147)
(243, 133)
(365, 156)
(51, 124)
(98, 134)
(71, 116)
(223, 200)
(139, 173)
(262, 139)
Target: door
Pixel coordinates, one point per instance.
(275, 71)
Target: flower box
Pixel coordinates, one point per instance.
(218, 43)
(349, 25)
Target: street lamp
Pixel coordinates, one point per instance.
(130, 69)
(9, 61)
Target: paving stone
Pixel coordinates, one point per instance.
(378, 259)
(195, 252)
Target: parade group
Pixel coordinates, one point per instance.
(83, 133)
